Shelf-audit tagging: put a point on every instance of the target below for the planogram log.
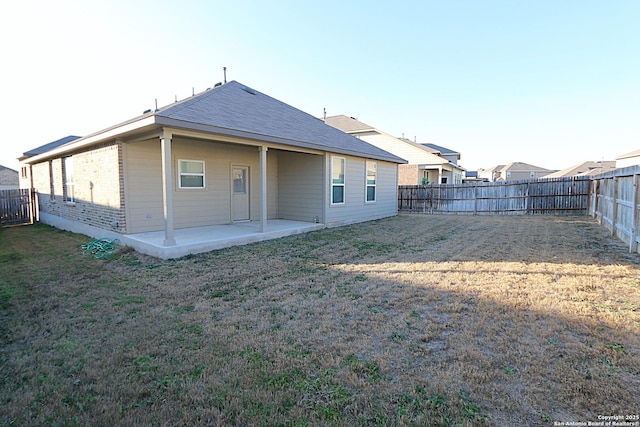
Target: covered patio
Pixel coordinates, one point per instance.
(196, 240)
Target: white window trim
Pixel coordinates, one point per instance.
(343, 185)
(203, 175)
(69, 186)
(366, 181)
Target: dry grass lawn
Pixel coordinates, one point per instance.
(413, 320)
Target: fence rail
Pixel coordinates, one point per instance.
(560, 196)
(614, 202)
(17, 207)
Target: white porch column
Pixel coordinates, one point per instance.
(439, 174)
(263, 188)
(167, 188)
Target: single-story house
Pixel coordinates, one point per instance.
(8, 178)
(170, 181)
(425, 164)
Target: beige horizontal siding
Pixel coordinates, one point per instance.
(300, 186)
(194, 207)
(355, 209)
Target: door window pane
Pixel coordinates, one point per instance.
(240, 181)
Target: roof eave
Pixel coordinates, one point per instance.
(159, 120)
(86, 141)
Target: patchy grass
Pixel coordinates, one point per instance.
(413, 320)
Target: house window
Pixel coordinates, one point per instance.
(67, 171)
(191, 174)
(372, 172)
(337, 180)
(533, 174)
(443, 180)
(24, 171)
(52, 189)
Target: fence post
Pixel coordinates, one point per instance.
(614, 208)
(633, 239)
(475, 199)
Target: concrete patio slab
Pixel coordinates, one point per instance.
(204, 239)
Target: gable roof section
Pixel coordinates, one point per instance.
(234, 109)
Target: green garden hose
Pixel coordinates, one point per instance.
(100, 248)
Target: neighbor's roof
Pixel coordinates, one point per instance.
(443, 151)
(8, 169)
(492, 168)
(584, 169)
(525, 167)
(50, 146)
(354, 126)
(234, 109)
(347, 124)
(634, 153)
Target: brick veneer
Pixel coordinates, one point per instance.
(98, 187)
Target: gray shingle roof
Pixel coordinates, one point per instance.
(442, 150)
(236, 107)
(50, 146)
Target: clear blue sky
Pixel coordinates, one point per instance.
(552, 83)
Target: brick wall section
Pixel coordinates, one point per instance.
(8, 176)
(408, 175)
(98, 187)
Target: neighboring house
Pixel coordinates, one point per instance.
(424, 165)
(628, 159)
(490, 174)
(584, 169)
(518, 171)
(472, 176)
(8, 179)
(228, 155)
(452, 156)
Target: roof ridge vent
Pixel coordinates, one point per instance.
(248, 90)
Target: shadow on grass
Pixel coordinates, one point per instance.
(414, 321)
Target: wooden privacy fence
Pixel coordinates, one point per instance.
(18, 207)
(559, 196)
(614, 202)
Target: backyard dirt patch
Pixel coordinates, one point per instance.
(412, 320)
